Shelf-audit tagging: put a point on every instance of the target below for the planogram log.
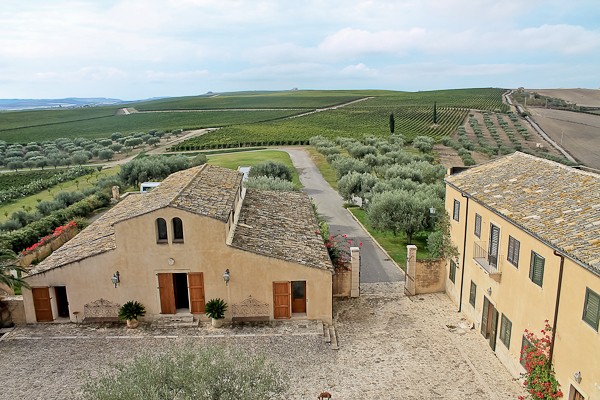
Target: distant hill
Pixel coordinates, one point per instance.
(69, 102)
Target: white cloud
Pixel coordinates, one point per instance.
(359, 71)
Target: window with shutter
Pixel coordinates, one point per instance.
(473, 294)
(536, 268)
(591, 308)
(494, 245)
(456, 212)
(478, 225)
(513, 251)
(505, 330)
(525, 344)
(452, 271)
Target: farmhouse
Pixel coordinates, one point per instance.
(199, 235)
(528, 231)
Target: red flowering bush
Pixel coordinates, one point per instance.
(48, 238)
(338, 247)
(540, 381)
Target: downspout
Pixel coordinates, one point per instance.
(462, 272)
(558, 289)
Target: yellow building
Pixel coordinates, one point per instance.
(199, 235)
(528, 233)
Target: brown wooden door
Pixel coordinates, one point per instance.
(299, 297)
(41, 303)
(167, 293)
(281, 300)
(196, 286)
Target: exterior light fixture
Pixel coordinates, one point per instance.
(577, 376)
(116, 278)
(489, 291)
(432, 210)
(226, 277)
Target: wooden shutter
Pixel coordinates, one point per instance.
(478, 225)
(196, 287)
(484, 317)
(494, 329)
(493, 248)
(167, 293)
(41, 304)
(473, 294)
(281, 300)
(456, 213)
(536, 270)
(591, 310)
(513, 251)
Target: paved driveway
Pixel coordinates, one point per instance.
(375, 266)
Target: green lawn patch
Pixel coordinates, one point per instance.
(324, 167)
(248, 159)
(394, 245)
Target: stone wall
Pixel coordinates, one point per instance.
(427, 276)
(346, 283)
(44, 251)
(12, 311)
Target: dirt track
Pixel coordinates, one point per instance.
(581, 97)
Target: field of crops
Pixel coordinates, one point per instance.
(20, 179)
(138, 122)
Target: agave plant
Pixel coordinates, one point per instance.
(215, 308)
(132, 310)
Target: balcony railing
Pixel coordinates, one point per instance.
(491, 264)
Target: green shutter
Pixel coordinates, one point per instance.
(452, 271)
(591, 309)
(484, 317)
(494, 329)
(505, 331)
(478, 225)
(473, 294)
(536, 269)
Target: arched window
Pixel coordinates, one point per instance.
(177, 230)
(161, 231)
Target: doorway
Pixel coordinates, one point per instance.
(62, 303)
(180, 287)
(489, 322)
(41, 304)
(298, 297)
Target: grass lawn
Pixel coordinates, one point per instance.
(324, 167)
(48, 194)
(248, 159)
(394, 245)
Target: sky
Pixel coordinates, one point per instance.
(136, 49)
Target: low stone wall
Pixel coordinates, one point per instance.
(12, 311)
(342, 283)
(427, 276)
(347, 283)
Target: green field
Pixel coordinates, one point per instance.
(248, 159)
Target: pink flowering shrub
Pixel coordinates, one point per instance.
(59, 231)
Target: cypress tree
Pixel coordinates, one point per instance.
(435, 112)
(392, 124)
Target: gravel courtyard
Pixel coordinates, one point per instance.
(390, 347)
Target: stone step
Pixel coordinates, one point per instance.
(327, 335)
(333, 336)
(175, 318)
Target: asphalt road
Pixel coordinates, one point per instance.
(375, 265)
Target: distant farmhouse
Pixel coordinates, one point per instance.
(199, 235)
(528, 231)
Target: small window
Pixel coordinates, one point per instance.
(177, 230)
(452, 271)
(536, 268)
(591, 308)
(513, 251)
(478, 225)
(161, 231)
(505, 329)
(456, 213)
(473, 294)
(525, 344)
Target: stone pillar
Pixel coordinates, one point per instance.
(115, 193)
(411, 266)
(355, 260)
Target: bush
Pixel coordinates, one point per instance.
(423, 143)
(215, 308)
(131, 310)
(345, 165)
(269, 183)
(272, 169)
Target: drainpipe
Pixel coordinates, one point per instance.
(558, 288)
(462, 272)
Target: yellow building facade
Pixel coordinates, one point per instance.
(199, 235)
(528, 233)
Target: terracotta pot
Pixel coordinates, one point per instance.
(132, 323)
(217, 323)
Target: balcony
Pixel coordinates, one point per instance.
(492, 265)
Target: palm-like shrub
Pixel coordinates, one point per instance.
(216, 308)
(132, 310)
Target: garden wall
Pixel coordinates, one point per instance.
(427, 276)
(346, 282)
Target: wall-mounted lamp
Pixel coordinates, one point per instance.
(432, 210)
(226, 277)
(116, 278)
(577, 376)
(489, 291)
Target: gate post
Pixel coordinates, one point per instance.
(411, 266)
(355, 261)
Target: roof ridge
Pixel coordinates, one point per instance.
(201, 169)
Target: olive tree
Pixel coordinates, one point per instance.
(273, 169)
(356, 184)
(202, 373)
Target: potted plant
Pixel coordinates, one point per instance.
(215, 309)
(130, 312)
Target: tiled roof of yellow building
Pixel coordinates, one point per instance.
(558, 204)
(206, 190)
(281, 225)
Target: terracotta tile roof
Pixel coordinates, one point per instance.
(559, 205)
(206, 190)
(281, 225)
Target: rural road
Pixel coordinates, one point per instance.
(375, 265)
